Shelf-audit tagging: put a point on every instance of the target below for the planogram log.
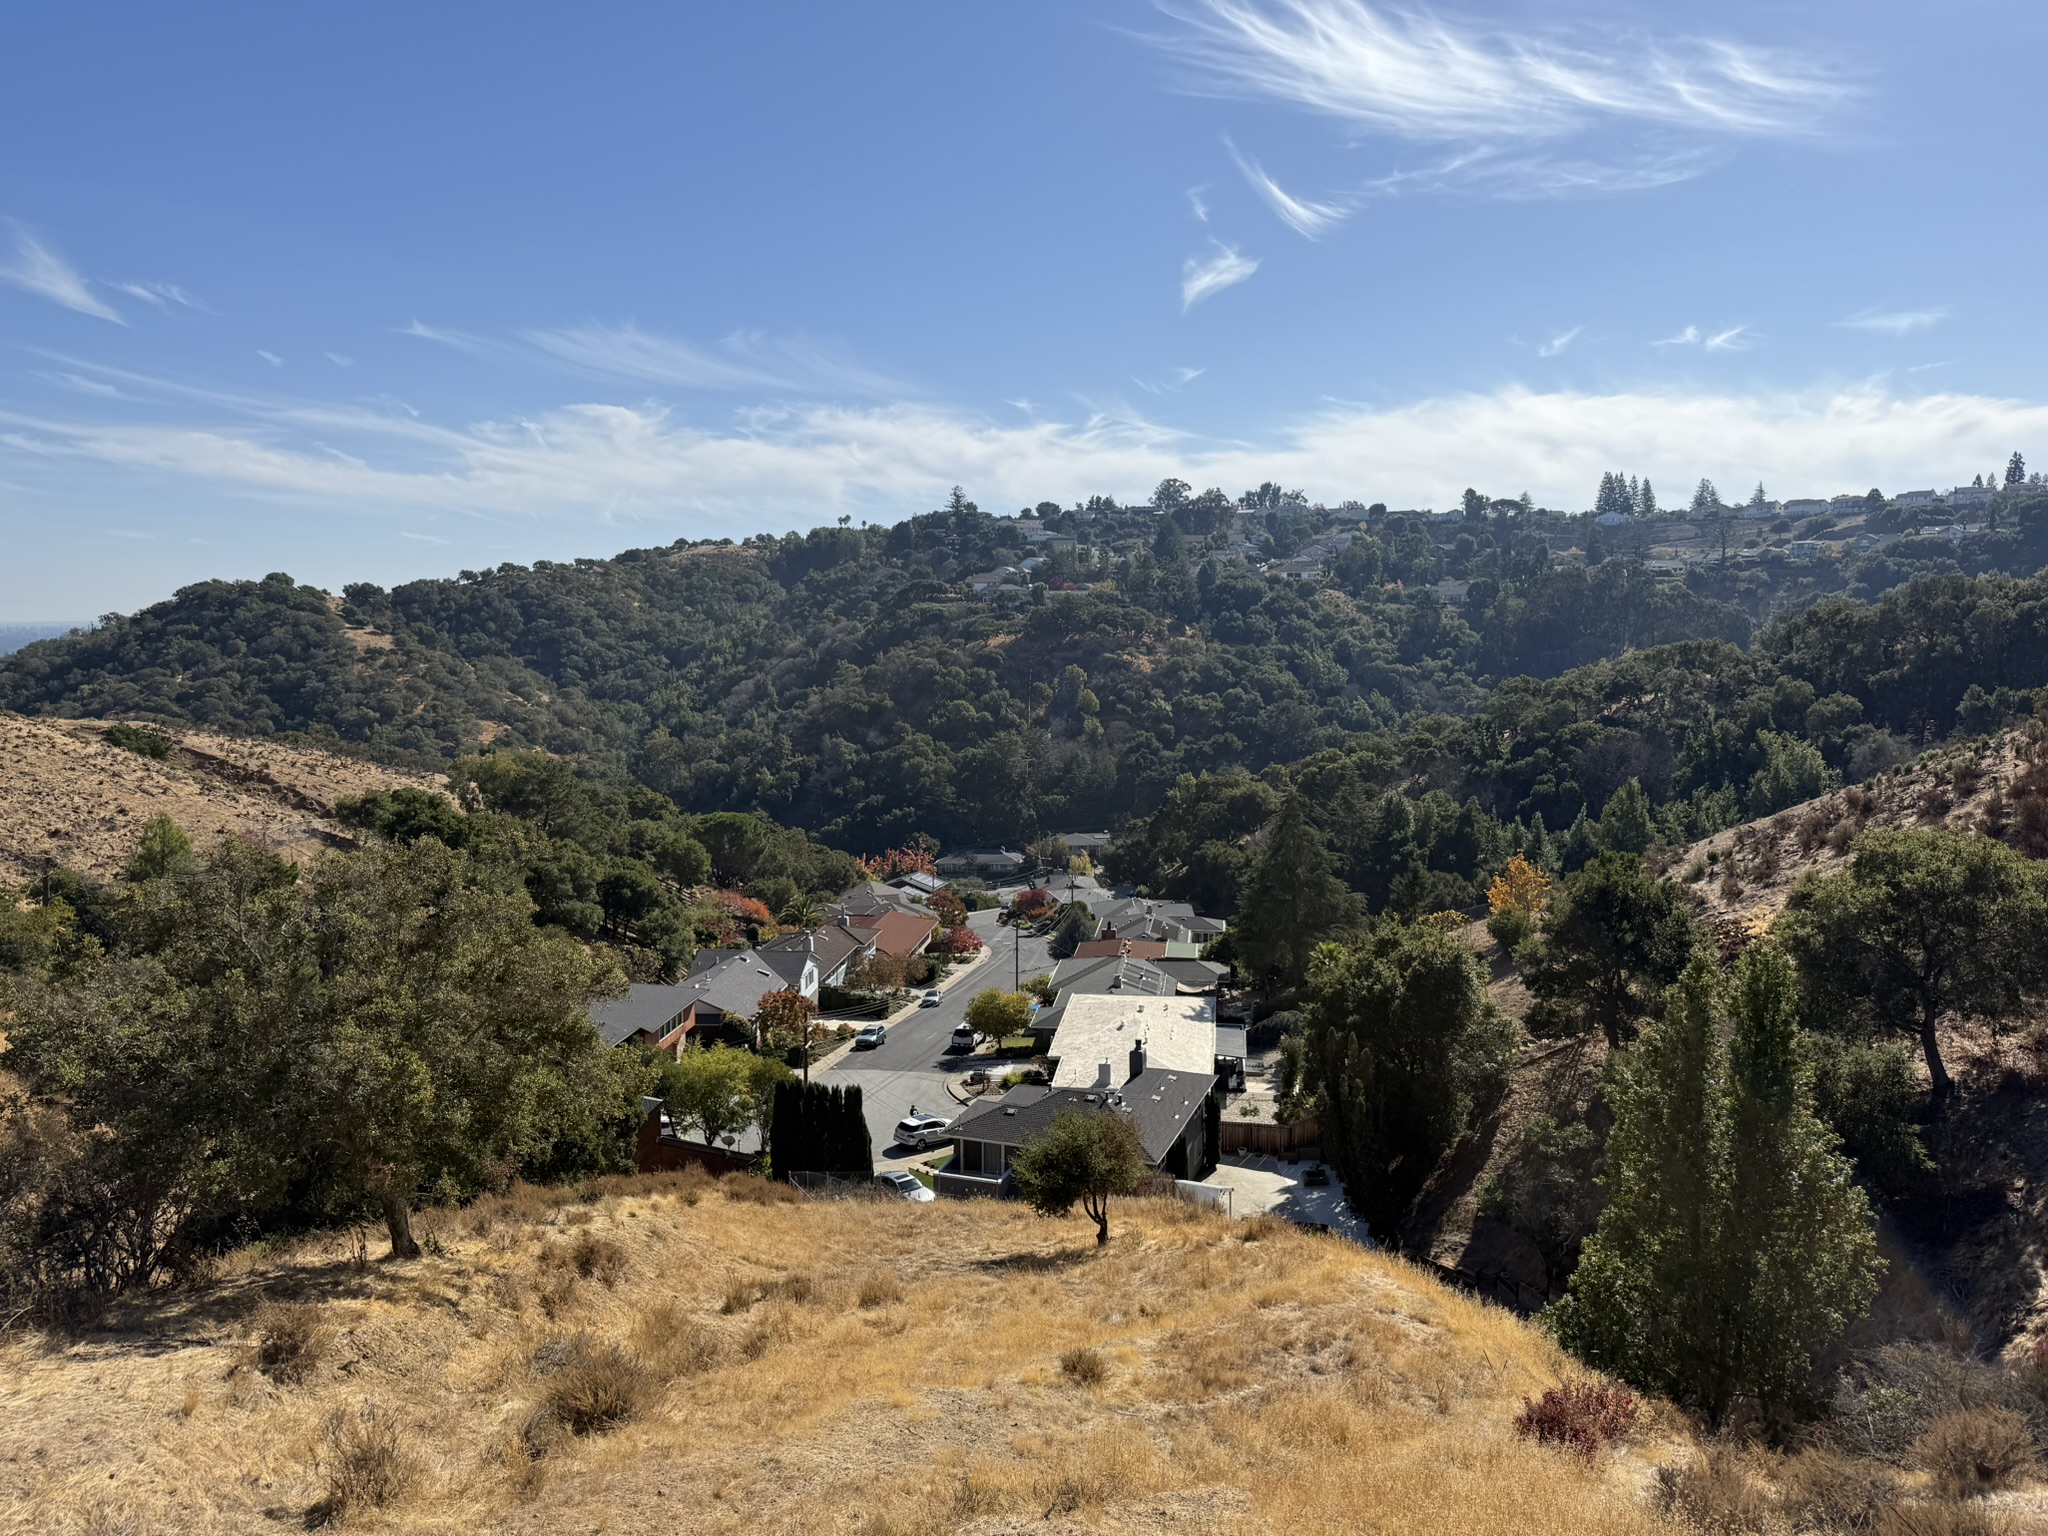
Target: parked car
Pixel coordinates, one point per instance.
(907, 1186)
(963, 1039)
(920, 1131)
(930, 999)
(870, 1037)
(1315, 1175)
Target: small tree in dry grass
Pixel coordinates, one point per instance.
(369, 1463)
(1087, 1155)
(1581, 1416)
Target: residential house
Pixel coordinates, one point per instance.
(1093, 844)
(1110, 973)
(987, 863)
(1135, 917)
(1972, 496)
(1615, 519)
(1300, 568)
(827, 952)
(1805, 506)
(1178, 1117)
(1848, 506)
(1810, 549)
(1916, 498)
(917, 883)
(1084, 1033)
(714, 1005)
(988, 583)
(1761, 511)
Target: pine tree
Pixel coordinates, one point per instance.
(1757, 497)
(1292, 900)
(1646, 500)
(1735, 1246)
(1626, 825)
(1705, 499)
(2015, 472)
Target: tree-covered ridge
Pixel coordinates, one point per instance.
(847, 681)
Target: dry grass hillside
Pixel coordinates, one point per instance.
(670, 1355)
(1747, 873)
(68, 795)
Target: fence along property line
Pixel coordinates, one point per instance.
(1261, 1136)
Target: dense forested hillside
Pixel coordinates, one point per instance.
(850, 682)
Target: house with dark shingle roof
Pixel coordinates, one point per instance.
(1178, 1117)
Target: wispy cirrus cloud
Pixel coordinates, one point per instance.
(1557, 343)
(745, 360)
(1902, 322)
(1689, 337)
(1303, 216)
(1737, 338)
(40, 270)
(1202, 277)
(270, 357)
(1497, 94)
(160, 295)
(1197, 205)
(1414, 74)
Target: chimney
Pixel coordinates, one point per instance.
(1102, 1076)
(1137, 1058)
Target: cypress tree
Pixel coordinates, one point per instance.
(1734, 1247)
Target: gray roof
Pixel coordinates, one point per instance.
(1110, 973)
(829, 944)
(1160, 1102)
(1194, 975)
(732, 982)
(645, 1006)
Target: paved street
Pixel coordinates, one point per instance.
(911, 1066)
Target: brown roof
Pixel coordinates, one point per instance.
(897, 933)
(1137, 949)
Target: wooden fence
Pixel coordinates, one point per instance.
(1273, 1140)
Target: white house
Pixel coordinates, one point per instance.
(1806, 506)
(1916, 498)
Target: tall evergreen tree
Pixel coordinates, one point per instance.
(2015, 472)
(1735, 1246)
(1705, 499)
(1646, 500)
(1626, 825)
(1613, 939)
(1293, 899)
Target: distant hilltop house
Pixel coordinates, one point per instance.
(989, 583)
(1972, 495)
(1847, 505)
(1811, 549)
(1916, 498)
(1300, 568)
(1806, 506)
(1614, 519)
(714, 1003)
(1762, 511)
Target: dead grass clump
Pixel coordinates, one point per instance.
(592, 1386)
(291, 1340)
(1731, 888)
(1975, 1450)
(1859, 802)
(672, 1343)
(739, 1295)
(1840, 836)
(370, 1463)
(798, 1288)
(598, 1258)
(1581, 1416)
(1965, 779)
(1815, 826)
(1084, 1367)
(1716, 1495)
(1259, 1228)
(755, 1190)
(880, 1289)
(580, 1217)
(1934, 802)
(556, 1293)
(1826, 1491)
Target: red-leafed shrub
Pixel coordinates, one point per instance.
(1581, 1416)
(957, 941)
(1035, 902)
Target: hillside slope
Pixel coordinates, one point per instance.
(68, 796)
(856, 1367)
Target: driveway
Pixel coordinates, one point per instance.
(911, 1066)
(1265, 1185)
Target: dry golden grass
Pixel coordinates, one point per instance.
(759, 1366)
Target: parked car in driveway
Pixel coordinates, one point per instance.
(931, 999)
(963, 1039)
(907, 1186)
(870, 1037)
(921, 1131)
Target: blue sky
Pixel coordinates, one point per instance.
(380, 291)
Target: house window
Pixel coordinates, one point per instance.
(983, 1158)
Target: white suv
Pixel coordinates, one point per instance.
(920, 1131)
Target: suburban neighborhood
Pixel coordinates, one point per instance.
(1129, 1022)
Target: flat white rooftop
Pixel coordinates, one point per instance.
(1179, 1035)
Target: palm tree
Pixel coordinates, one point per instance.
(800, 911)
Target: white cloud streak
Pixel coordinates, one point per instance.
(160, 295)
(40, 270)
(1737, 338)
(1559, 342)
(1689, 337)
(615, 465)
(1196, 206)
(270, 357)
(1304, 217)
(1203, 276)
(1417, 76)
(1896, 323)
(745, 360)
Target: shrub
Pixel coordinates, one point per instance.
(1975, 1450)
(1509, 927)
(142, 742)
(596, 1387)
(369, 1463)
(670, 1343)
(1826, 1491)
(1582, 1415)
(291, 1340)
(739, 1295)
(1084, 1366)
